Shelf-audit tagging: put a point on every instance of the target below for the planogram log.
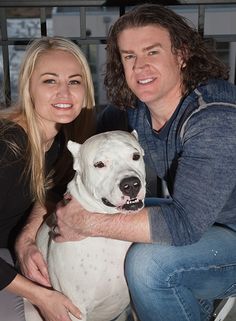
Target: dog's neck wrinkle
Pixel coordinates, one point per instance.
(78, 190)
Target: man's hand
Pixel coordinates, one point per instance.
(73, 221)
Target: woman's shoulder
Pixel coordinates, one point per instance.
(10, 130)
(13, 138)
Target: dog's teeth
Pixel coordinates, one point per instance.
(132, 201)
(132, 205)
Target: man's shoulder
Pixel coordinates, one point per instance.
(217, 90)
(214, 96)
(210, 103)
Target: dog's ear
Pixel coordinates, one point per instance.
(74, 149)
(135, 134)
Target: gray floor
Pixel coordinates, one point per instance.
(232, 314)
(221, 309)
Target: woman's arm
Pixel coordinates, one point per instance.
(53, 305)
(31, 261)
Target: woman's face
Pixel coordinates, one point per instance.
(57, 89)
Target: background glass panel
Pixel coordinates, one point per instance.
(66, 21)
(1, 79)
(15, 56)
(23, 22)
(99, 20)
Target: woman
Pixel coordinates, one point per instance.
(55, 86)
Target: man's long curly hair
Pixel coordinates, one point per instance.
(199, 61)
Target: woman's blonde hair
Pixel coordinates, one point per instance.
(77, 130)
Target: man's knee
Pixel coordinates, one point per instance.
(144, 267)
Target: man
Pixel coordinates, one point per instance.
(175, 93)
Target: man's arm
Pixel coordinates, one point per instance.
(75, 223)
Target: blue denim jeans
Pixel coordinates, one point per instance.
(169, 283)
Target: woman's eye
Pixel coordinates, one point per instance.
(49, 81)
(99, 164)
(74, 82)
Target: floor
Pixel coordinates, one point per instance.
(232, 314)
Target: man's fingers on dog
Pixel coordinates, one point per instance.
(55, 230)
(58, 238)
(59, 205)
(68, 238)
(67, 197)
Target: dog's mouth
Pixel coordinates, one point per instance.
(130, 205)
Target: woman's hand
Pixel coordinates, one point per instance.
(30, 259)
(32, 263)
(54, 306)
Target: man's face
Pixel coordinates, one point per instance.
(151, 69)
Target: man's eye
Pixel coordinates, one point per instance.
(136, 156)
(153, 52)
(128, 57)
(99, 164)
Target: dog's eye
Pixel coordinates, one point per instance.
(136, 156)
(99, 165)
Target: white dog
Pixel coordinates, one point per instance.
(110, 178)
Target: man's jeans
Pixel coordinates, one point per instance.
(169, 283)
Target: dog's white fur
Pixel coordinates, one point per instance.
(90, 272)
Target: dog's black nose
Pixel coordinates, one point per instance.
(130, 186)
